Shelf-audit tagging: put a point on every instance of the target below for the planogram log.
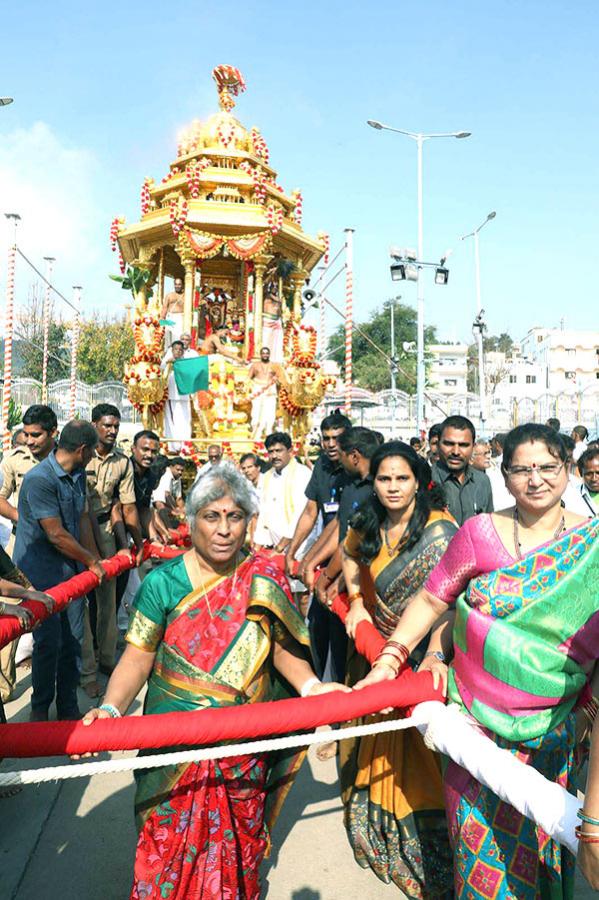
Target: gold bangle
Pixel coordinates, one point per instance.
(394, 668)
(357, 595)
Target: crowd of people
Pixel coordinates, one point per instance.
(476, 560)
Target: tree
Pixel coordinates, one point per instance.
(371, 369)
(105, 345)
(29, 334)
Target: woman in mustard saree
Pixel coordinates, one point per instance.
(211, 628)
(526, 639)
(391, 782)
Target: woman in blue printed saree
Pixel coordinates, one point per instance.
(526, 639)
(211, 628)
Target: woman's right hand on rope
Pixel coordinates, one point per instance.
(357, 613)
(90, 716)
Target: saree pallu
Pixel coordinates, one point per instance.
(204, 827)
(391, 783)
(526, 636)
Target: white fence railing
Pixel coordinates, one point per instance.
(27, 391)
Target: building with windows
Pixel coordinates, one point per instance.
(570, 359)
(448, 368)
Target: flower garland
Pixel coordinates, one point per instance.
(259, 179)
(176, 170)
(151, 369)
(193, 174)
(298, 210)
(178, 214)
(225, 133)
(154, 348)
(259, 145)
(287, 403)
(116, 226)
(274, 218)
(145, 195)
(325, 240)
(304, 356)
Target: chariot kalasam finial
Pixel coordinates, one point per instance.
(230, 83)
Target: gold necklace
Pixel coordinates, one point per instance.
(391, 550)
(518, 544)
(203, 586)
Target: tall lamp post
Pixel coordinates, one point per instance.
(479, 325)
(420, 138)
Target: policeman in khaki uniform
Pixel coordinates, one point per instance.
(109, 480)
(39, 433)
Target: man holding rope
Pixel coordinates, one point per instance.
(39, 429)
(54, 542)
(109, 479)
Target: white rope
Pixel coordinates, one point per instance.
(130, 764)
(445, 728)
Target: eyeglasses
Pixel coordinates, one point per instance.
(548, 471)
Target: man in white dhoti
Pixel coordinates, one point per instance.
(177, 412)
(272, 325)
(263, 375)
(172, 312)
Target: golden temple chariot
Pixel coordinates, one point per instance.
(220, 221)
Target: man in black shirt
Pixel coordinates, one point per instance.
(467, 490)
(146, 446)
(356, 446)
(325, 487)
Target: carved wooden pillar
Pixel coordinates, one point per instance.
(189, 262)
(259, 269)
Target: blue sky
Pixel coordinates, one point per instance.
(101, 91)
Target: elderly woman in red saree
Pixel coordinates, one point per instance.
(524, 583)
(211, 628)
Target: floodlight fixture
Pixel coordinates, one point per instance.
(441, 275)
(398, 272)
(6, 101)
(374, 124)
(411, 272)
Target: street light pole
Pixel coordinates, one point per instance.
(482, 392)
(420, 369)
(419, 137)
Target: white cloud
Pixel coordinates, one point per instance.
(51, 184)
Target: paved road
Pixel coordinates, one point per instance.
(75, 840)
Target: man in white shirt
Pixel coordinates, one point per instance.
(579, 436)
(283, 497)
(168, 496)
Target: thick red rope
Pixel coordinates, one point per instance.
(79, 586)
(213, 726)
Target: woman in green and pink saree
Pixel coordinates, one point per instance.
(525, 584)
(214, 627)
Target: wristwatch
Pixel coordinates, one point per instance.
(437, 654)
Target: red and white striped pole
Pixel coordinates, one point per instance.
(74, 347)
(349, 315)
(14, 219)
(50, 260)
